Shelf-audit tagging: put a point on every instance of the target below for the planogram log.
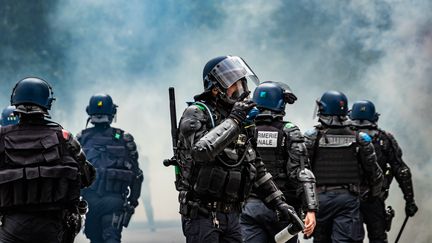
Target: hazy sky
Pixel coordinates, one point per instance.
(134, 50)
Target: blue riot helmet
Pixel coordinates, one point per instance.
(31, 92)
(363, 110)
(224, 72)
(101, 108)
(8, 117)
(333, 103)
(273, 96)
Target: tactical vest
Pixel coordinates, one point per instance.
(107, 151)
(272, 148)
(37, 171)
(227, 179)
(335, 161)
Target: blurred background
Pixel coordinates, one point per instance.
(134, 50)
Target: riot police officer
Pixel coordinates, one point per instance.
(340, 159)
(376, 217)
(8, 116)
(281, 147)
(42, 169)
(114, 195)
(217, 158)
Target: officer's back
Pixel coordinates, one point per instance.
(42, 170)
(340, 157)
(114, 195)
(375, 215)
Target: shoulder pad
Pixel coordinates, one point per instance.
(195, 111)
(192, 120)
(128, 137)
(293, 133)
(394, 143)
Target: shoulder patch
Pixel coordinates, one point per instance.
(365, 137)
(66, 134)
(311, 132)
(117, 133)
(289, 125)
(201, 107)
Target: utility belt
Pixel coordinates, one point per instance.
(354, 189)
(192, 209)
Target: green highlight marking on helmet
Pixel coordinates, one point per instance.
(263, 94)
(289, 125)
(117, 136)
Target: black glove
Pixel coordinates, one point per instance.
(240, 110)
(410, 208)
(287, 213)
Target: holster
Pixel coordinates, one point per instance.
(389, 215)
(72, 226)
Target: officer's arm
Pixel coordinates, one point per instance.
(205, 146)
(298, 167)
(373, 172)
(265, 188)
(400, 170)
(87, 171)
(135, 186)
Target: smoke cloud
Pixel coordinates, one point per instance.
(135, 50)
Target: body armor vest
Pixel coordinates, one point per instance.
(107, 151)
(272, 148)
(335, 161)
(227, 179)
(37, 171)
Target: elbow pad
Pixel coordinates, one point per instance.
(215, 141)
(307, 178)
(267, 190)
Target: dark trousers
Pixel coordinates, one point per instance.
(201, 229)
(260, 224)
(373, 212)
(44, 227)
(101, 225)
(338, 218)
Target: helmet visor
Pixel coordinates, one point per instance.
(231, 69)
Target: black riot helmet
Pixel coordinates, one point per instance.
(333, 103)
(101, 108)
(363, 110)
(224, 71)
(32, 91)
(273, 96)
